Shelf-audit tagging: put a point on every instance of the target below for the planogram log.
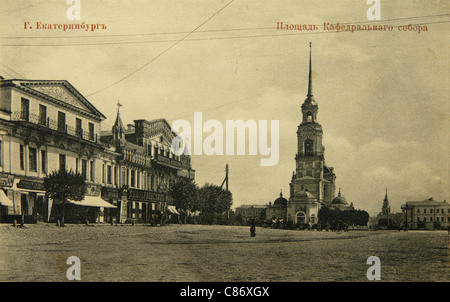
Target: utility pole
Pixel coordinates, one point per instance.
(225, 181)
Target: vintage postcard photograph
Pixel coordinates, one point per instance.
(221, 148)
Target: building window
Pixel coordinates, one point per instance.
(84, 168)
(42, 115)
(78, 129)
(61, 121)
(431, 210)
(103, 173)
(92, 168)
(44, 161)
(115, 175)
(62, 162)
(437, 210)
(25, 109)
(424, 219)
(418, 211)
(309, 147)
(22, 157)
(109, 174)
(431, 218)
(138, 182)
(133, 178)
(76, 165)
(32, 156)
(91, 131)
(425, 211)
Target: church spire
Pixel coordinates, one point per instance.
(386, 209)
(118, 129)
(310, 94)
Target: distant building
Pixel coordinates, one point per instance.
(426, 214)
(251, 212)
(304, 209)
(341, 203)
(386, 208)
(385, 219)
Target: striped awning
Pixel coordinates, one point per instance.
(93, 201)
(4, 199)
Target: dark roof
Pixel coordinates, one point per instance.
(280, 201)
(339, 199)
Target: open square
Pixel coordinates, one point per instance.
(200, 253)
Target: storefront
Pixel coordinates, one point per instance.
(33, 205)
(22, 198)
(112, 196)
(145, 206)
(6, 202)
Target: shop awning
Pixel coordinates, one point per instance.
(93, 201)
(172, 210)
(4, 200)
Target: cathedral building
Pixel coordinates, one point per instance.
(313, 182)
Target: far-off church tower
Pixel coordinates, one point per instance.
(311, 173)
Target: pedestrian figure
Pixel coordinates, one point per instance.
(252, 231)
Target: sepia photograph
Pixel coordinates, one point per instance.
(224, 148)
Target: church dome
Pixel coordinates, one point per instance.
(339, 200)
(280, 201)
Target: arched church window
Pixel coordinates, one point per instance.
(309, 147)
(309, 117)
(301, 217)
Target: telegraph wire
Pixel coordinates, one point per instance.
(167, 49)
(208, 31)
(12, 71)
(8, 73)
(194, 39)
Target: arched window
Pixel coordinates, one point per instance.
(309, 147)
(301, 217)
(309, 117)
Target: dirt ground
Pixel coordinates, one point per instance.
(199, 253)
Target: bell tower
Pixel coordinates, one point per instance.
(311, 174)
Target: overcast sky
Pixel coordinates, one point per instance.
(383, 96)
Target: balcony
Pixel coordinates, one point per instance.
(170, 162)
(49, 123)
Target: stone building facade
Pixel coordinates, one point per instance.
(46, 126)
(426, 214)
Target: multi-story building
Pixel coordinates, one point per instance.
(148, 167)
(426, 214)
(46, 126)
